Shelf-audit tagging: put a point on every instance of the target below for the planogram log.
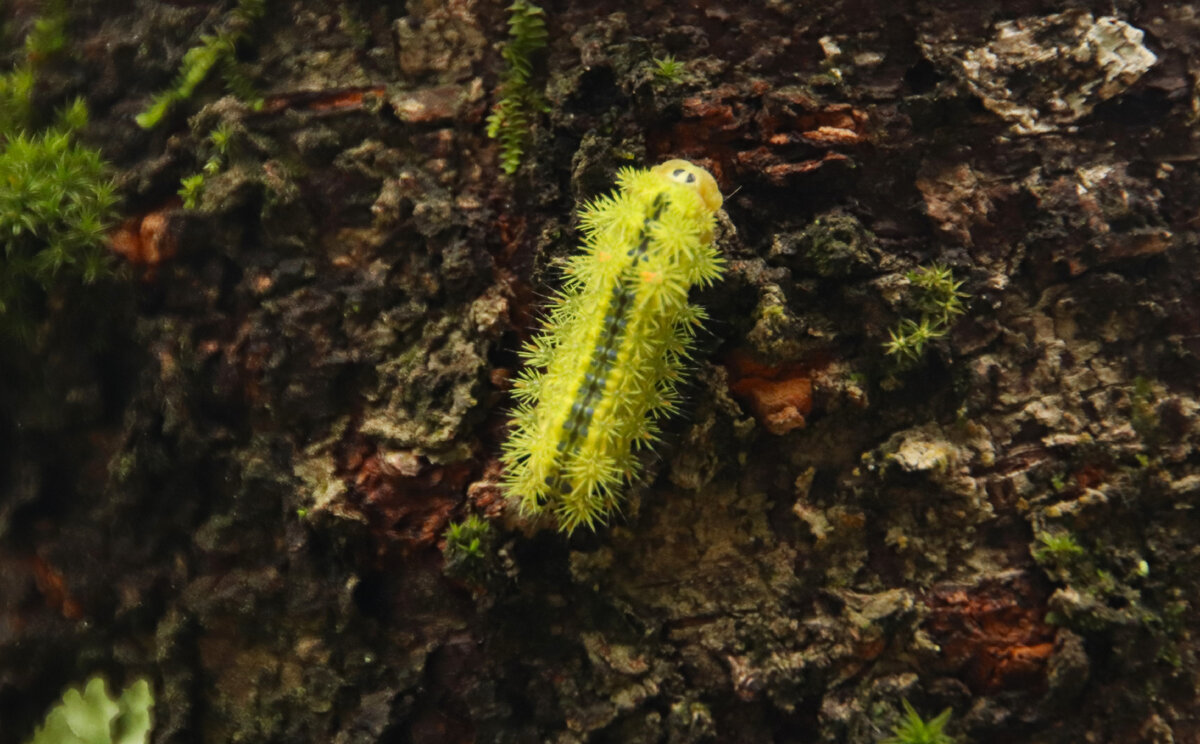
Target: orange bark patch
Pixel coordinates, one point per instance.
(839, 124)
(832, 136)
(146, 240)
(769, 162)
(325, 100)
(779, 397)
(992, 633)
(53, 587)
(1090, 476)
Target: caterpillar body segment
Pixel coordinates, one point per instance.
(606, 366)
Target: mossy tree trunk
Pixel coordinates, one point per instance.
(230, 467)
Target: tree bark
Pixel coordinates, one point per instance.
(232, 467)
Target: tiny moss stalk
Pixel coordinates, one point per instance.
(915, 730)
(510, 118)
(214, 51)
(939, 301)
(667, 69)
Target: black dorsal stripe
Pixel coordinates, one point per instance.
(616, 320)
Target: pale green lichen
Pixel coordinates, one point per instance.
(92, 717)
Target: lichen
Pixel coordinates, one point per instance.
(428, 395)
(93, 717)
(1041, 73)
(833, 245)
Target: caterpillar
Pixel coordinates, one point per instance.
(606, 366)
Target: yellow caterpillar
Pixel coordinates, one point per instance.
(606, 365)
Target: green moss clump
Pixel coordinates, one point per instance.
(48, 35)
(939, 301)
(218, 145)
(191, 188)
(938, 296)
(57, 198)
(16, 94)
(467, 549)
(54, 209)
(668, 69)
(1057, 550)
(92, 717)
(509, 121)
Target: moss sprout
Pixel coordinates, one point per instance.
(48, 35)
(191, 188)
(1057, 548)
(467, 548)
(220, 138)
(906, 342)
(218, 145)
(16, 93)
(510, 118)
(915, 730)
(668, 69)
(938, 299)
(938, 295)
(214, 50)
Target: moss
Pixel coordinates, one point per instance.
(48, 35)
(667, 69)
(216, 149)
(915, 730)
(832, 245)
(1058, 549)
(509, 121)
(58, 196)
(938, 299)
(190, 190)
(214, 50)
(1143, 416)
(468, 548)
(1132, 604)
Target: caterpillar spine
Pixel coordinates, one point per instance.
(606, 366)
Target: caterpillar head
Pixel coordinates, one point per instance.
(694, 177)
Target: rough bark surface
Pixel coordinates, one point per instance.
(231, 469)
